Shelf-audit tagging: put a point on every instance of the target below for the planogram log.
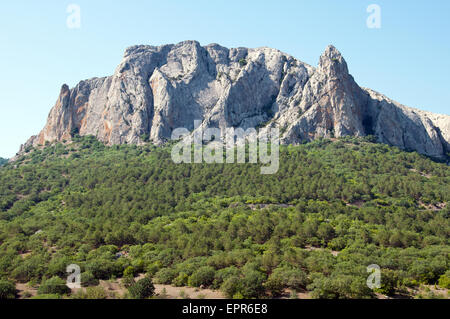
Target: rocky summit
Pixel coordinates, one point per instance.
(156, 89)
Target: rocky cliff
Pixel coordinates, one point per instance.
(157, 89)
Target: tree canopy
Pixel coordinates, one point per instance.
(333, 208)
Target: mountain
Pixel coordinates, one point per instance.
(334, 207)
(157, 89)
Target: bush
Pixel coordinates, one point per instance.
(88, 279)
(7, 290)
(54, 285)
(145, 137)
(444, 280)
(129, 272)
(90, 293)
(142, 289)
(275, 284)
(152, 269)
(203, 276)
(223, 274)
(165, 276)
(285, 277)
(337, 243)
(74, 132)
(242, 62)
(181, 280)
(104, 269)
(231, 286)
(389, 282)
(252, 284)
(297, 279)
(339, 287)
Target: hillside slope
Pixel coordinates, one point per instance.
(333, 208)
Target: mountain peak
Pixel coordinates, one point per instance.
(64, 88)
(158, 89)
(332, 62)
(331, 50)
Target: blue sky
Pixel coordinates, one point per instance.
(408, 58)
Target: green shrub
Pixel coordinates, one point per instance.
(104, 269)
(242, 62)
(90, 293)
(129, 272)
(181, 280)
(204, 276)
(444, 280)
(54, 285)
(339, 286)
(7, 290)
(389, 282)
(88, 279)
(223, 274)
(275, 285)
(95, 293)
(142, 289)
(252, 284)
(293, 278)
(231, 286)
(165, 276)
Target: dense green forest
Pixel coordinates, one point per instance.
(333, 208)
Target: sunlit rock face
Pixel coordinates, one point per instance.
(157, 89)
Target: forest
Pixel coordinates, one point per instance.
(333, 208)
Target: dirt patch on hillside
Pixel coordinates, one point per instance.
(25, 291)
(171, 292)
(433, 207)
(115, 289)
(358, 203)
(421, 173)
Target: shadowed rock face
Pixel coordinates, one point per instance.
(157, 89)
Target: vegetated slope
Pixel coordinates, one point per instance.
(3, 161)
(335, 208)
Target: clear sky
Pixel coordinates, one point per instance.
(408, 58)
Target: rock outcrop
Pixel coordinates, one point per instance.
(157, 89)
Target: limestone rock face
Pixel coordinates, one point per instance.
(157, 89)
